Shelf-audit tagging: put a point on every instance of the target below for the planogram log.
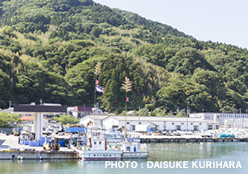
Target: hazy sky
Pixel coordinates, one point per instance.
(223, 21)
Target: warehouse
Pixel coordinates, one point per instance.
(161, 123)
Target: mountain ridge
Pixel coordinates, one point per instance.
(49, 50)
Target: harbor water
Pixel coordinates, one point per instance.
(223, 153)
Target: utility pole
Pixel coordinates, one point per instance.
(233, 119)
(9, 104)
(139, 114)
(96, 72)
(127, 86)
(84, 110)
(97, 107)
(187, 115)
(240, 112)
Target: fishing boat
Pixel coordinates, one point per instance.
(97, 148)
(134, 150)
(79, 139)
(117, 138)
(114, 138)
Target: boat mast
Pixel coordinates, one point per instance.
(127, 85)
(96, 72)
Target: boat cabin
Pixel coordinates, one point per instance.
(96, 140)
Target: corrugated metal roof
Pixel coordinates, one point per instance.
(40, 108)
(100, 117)
(82, 109)
(154, 119)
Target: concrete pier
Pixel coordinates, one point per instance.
(149, 139)
(10, 150)
(35, 155)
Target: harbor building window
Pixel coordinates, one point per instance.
(191, 123)
(127, 122)
(209, 127)
(199, 123)
(172, 123)
(178, 127)
(182, 123)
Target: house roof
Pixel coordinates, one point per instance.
(100, 117)
(40, 108)
(25, 118)
(82, 109)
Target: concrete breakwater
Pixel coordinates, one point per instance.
(35, 155)
(180, 139)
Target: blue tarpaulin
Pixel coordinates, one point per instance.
(62, 143)
(75, 129)
(44, 138)
(41, 143)
(150, 129)
(26, 142)
(34, 143)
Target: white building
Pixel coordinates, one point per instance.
(98, 119)
(161, 123)
(225, 120)
(28, 123)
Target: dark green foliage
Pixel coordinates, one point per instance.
(65, 39)
(31, 37)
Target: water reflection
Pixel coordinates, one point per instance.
(191, 151)
(158, 152)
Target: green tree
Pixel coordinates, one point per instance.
(65, 119)
(181, 113)
(6, 117)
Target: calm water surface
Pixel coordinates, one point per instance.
(158, 152)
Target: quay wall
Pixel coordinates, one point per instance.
(34, 155)
(168, 140)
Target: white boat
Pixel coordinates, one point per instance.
(114, 137)
(134, 150)
(97, 150)
(117, 137)
(80, 138)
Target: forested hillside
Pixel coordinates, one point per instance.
(49, 49)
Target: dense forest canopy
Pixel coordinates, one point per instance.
(49, 49)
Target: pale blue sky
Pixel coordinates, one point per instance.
(216, 20)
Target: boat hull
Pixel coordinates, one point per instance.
(100, 159)
(101, 155)
(135, 155)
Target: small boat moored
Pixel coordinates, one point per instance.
(134, 150)
(97, 150)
